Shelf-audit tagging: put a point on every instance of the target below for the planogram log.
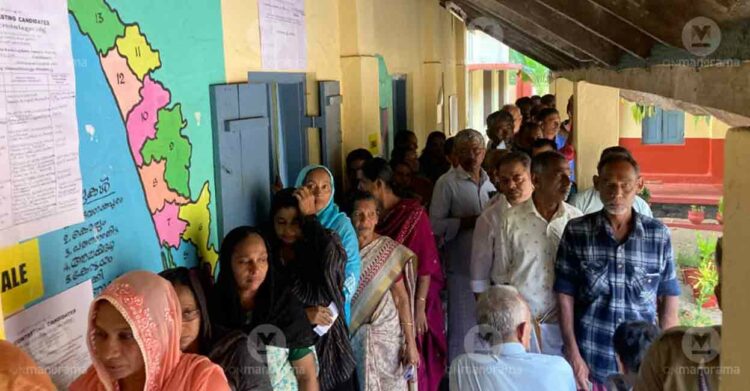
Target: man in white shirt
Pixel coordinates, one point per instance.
(514, 186)
(526, 246)
(457, 200)
(589, 201)
(506, 324)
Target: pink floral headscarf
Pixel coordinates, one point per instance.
(150, 306)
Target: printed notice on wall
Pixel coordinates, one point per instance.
(40, 177)
(283, 40)
(53, 333)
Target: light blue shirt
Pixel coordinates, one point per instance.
(455, 196)
(590, 201)
(510, 368)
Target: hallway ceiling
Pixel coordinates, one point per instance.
(615, 34)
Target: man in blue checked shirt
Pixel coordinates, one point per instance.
(612, 266)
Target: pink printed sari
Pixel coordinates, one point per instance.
(150, 306)
(408, 224)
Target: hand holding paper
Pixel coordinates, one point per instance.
(321, 329)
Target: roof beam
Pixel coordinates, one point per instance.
(525, 44)
(559, 25)
(663, 19)
(533, 31)
(597, 20)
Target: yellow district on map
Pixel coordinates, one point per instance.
(141, 58)
(2, 320)
(20, 276)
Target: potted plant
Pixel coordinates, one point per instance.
(646, 194)
(703, 279)
(720, 211)
(688, 263)
(696, 214)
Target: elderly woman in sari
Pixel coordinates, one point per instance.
(405, 221)
(134, 341)
(382, 317)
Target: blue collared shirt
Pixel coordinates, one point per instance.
(612, 282)
(510, 368)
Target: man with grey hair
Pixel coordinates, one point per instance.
(457, 200)
(526, 246)
(612, 266)
(589, 200)
(506, 323)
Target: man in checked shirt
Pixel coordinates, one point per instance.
(612, 266)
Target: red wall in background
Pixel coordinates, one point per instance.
(699, 160)
(523, 88)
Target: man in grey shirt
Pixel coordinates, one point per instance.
(458, 199)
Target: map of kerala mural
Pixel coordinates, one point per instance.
(146, 144)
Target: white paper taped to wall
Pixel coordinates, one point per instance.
(283, 38)
(40, 176)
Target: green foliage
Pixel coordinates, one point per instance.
(707, 279)
(687, 260)
(641, 112)
(706, 119)
(645, 194)
(697, 208)
(694, 319)
(708, 275)
(532, 71)
(721, 205)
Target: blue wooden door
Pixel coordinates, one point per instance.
(242, 148)
(664, 127)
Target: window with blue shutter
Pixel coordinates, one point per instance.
(664, 127)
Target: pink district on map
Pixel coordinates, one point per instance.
(169, 227)
(141, 124)
(122, 80)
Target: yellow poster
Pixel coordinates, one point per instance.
(20, 276)
(2, 320)
(373, 143)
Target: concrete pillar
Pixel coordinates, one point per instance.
(496, 101)
(735, 340)
(476, 98)
(461, 74)
(563, 89)
(359, 75)
(597, 126)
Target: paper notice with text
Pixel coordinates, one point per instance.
(40, 177)
(54, 333)
(283, 38)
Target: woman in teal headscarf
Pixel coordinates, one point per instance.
(320, 181)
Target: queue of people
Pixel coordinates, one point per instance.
(348, 289)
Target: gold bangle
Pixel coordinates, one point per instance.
(421, 299)
(407, 323)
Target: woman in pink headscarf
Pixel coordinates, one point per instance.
(134, 341)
